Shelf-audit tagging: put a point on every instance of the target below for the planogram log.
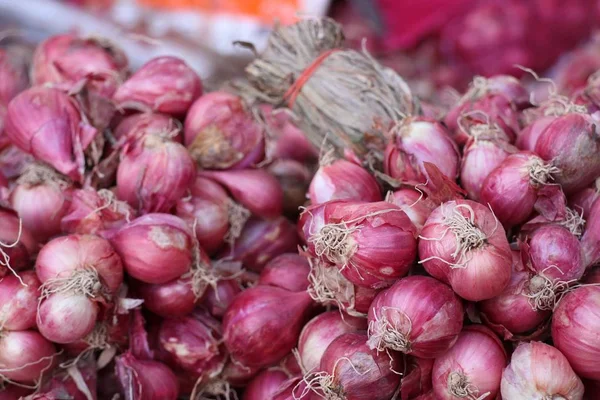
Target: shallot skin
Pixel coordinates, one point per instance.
(343, 180)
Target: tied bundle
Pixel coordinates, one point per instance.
(338, 94)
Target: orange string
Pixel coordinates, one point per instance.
(296, 87)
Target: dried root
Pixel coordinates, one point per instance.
(459, 386)
(540, 173)
(335, 243)
(81, 282)
(384, 335)
(237, 215)
(545, 294)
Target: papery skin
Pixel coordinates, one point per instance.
(478, 354)
(320, 331)
(538, 370)
(359, 372)
(221, 134)
(140, 124)
(575, 327)
(287, 271)
(20, 348)
(425, 311)
(14, 66)
(67, 317)
(171, 299)
(145, 380)
(416, 206)
(343, 180)
(528, 137)
(556, 253)
(18, 303)
(571, 142)
(263, 323)
(583, 201)
(417, 382)
(217, 301)
(154, 248)
(164, 84)
(485, 271)
(264, 385)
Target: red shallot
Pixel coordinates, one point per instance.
(320, 331)
(138, 125)
(17, 245)
(414, 203)
(171, 299)
(42, 198)
(540, 371)
(14, 68)
(343, 180)
(472, 368)
(264, 385)
(289, 141)
(18, 301)
(529, 136)
(263, 323)
(48, 124)
(24, 356)
(417, 381)
(583, 201)
(417, 315)
(145, 379)
(164, 84)
(463, 244)
(287, 271)
(217, 299)
(144, 164)
(575, 327)
(294, 179)
(221, 133)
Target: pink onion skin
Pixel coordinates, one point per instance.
(66, 60)
(25, 247)
(164, 84)
(426, 312)
(239, 375)
(143, 164)
(155, 248)
(294, 179)
(193, 344)
(255, 189)
(414, 204)
(575, 327)
(593, 275)
(478, 355)
(138, 125)
(41, 204)
(480, 158)
(375, 379)
(583, 201)
(554, 245)
(264, 385)
(417, 381)
(175, 298)
(538, 370)
(262, 240)
(509, 190)
(263, 324)
(20, 348)
(93, 212)
(217, 301)
(288, 271)
(343, 180)
(47, 123)
(62, 384)
(571, 143)
(67, 317)
(18, 303)
(320, 331)
(145, 379)
(484, 272)
(60, 257)
(421, 140)
(221, 134)
(590, 241)
(510, 312)
(383, 238)
(208, 209)
(14, 77)
(13, 392)
(528, 137)
(13, 161)
(290, 142)
(292, 389)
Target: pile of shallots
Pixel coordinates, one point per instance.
(156, 242)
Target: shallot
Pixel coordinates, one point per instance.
(25, 355)
(146, 379)
(287, 271)
(264, 385)
(18, 301)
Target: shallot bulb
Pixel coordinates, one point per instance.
(18, 301)
(77, 272)
(155, 248)
(529, 136)
(14, 71)
(414, 203)
(77, 382)
(571, 143)
(463, 244)
(556, 260)
(343, 180)
(13, 160)
(512, 189)
(263, 323)
(264, 385)
(47, 123)
(94, 212)
(294, 179)
(217, 299)
(146, 379)
(287, 271)
(42, 197)
(575, 327)
(24, 356)
(417, 315)
(221, 133)
(144, 164)
(17, 244)
(193, 344)
(472, 368)
(164, 84)
(349, 369)
(329, 287)
(540, 371)
(583, 201)
(67, 59)
(419, 140)
(373, 244)
(320, 331)
(480, 158)
(417, 382)
(140, 124)
(175, 298)
(290, 143)
(511, 312)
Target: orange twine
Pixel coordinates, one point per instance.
(294, 90)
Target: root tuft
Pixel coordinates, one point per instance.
(383, 335)
(335, 243)
(459, 386)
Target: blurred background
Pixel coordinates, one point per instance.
(432, 43)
